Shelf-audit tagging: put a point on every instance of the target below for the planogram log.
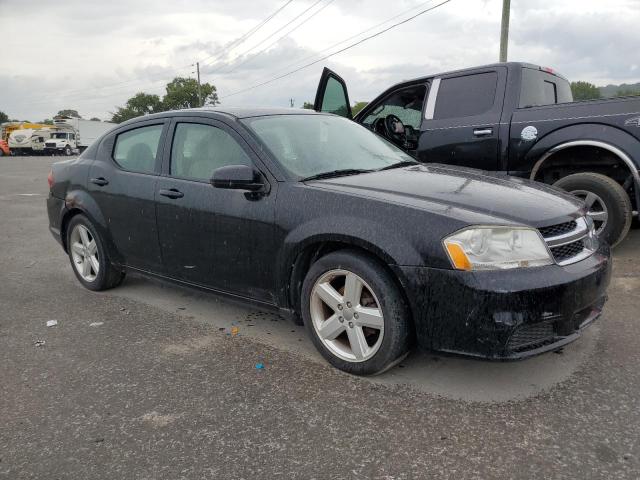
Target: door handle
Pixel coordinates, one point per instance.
(171, 193)
(100, 181)
(482, 132)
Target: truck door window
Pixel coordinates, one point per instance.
(334, 100)
(406, 104)
(466, 96)
(540, 88)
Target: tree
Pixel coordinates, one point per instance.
(584, 91)
(69, 113)
(4, 117)
(627, 92)
(95, 119)
(140, 104)
(357, 107)
(183, 93)
(308, 106)
(47, 121)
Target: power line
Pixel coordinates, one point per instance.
(422, 12)
(315, 54)
(248, 34)
(247, 60)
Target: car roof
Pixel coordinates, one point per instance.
(232, 112)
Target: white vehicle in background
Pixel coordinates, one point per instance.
(28, 141)
(74, 135)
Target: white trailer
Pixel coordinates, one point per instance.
(74, 135)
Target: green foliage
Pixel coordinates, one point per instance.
(308, 106)
(140, 104)
(95, 119)
(69, 113)
(183, 93)
(627, 92)
(4, 117)
(47, 121)
(584, 91)
(357, 107)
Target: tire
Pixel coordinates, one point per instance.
(68, 151)
(606, 199)
(107, 276)
(345, 321)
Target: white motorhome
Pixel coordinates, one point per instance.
(74, 135)
(28, 141)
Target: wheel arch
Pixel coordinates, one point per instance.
(316, 248)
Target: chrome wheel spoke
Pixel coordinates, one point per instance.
(590, 199)
(329, 295)
(86, 268)
(358, 342)
(352, 289)
(95, 265)
(369, 317)
(84, 253)
(77, 248)
(92, 248)
(84, 235)
(598, 216)
(331, 328)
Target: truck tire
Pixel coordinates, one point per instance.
(68, 151)
(607, 202)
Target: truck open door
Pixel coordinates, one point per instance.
(332, 95)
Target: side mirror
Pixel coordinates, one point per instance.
(237, 177)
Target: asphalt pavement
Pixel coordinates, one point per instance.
(147, 381)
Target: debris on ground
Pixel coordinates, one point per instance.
(222, 329)
(96, 324)
(182, 308)
(52, 323)
(260, 366)
(39, 343)
(234, 331)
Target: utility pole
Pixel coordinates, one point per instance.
(504, 30)
(199, 91)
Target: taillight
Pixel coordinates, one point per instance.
(50, 179)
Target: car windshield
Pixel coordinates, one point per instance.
(59, 135)
(309, 145)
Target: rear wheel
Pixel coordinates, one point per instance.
(355, 313)
(88, 256)
(607, 203)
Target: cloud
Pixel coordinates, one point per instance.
(93, 56)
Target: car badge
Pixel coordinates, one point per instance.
(633, 122)
(529, 133)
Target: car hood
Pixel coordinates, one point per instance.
(470, 195)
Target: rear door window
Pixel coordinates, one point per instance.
(540, 88)
(136, 150)
(466, 96)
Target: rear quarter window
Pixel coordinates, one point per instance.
(466, 96)
(539, 88)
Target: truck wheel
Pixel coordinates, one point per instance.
(608, 204)
(67, 151)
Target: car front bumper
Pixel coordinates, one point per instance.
(509, 314)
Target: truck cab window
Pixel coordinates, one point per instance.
(466, 96)
(406, 104)
(542, 88)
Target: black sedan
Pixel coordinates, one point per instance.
(320, 218)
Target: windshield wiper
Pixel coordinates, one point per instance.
(336, 173)
(404, 163)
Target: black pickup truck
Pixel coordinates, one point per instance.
(515, 118)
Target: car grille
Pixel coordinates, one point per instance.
(559, 229)
(528, 337)
(569, 242)
(50, 144)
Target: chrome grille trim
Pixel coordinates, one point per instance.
(579, 234)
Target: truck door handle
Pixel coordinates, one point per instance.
(482, 132)
(100, 181)
(171, 193)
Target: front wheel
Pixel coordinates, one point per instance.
(89, 257)
(355, 313)
(68, 151)
(607, 203)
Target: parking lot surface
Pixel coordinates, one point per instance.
(146, 381)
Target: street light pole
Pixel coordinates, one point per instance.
(504, 30)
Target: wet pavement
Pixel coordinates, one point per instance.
(147, 381)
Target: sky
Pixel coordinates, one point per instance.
(92, 55)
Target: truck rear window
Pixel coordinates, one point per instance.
(542, 88)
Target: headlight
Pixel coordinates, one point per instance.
(497, 248)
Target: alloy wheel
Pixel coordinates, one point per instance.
(84, 251)
(346, 315)
(596, 209)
